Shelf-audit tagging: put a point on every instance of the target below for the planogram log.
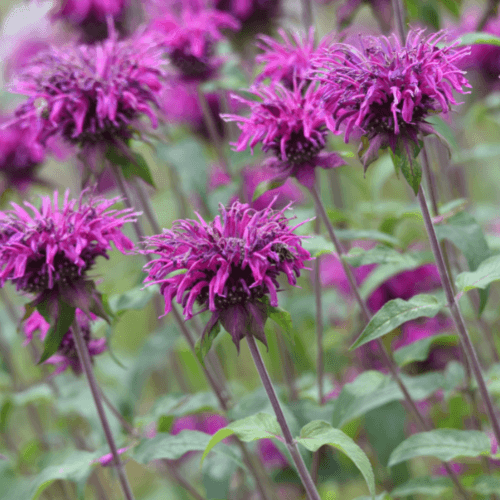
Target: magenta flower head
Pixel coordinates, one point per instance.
(229, 266)
(288, 62)
(90, 15)
(386, 91)
(20, 155)
(66, 356)
(48, 251)
(93, 95)
(289, 124)
(190, 38)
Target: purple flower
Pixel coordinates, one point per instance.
(227, 266)
(20, 155)
(189, 39)
(249, 11)
(288, 62)
(386, 91)
(52, 248)
(289, 124)
(107, 460)
(66, 356)
(284, 194)
(91, 95)
(90, 15)
(270, 455)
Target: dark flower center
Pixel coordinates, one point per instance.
(36, 278)
(191, 65)
(299, 149)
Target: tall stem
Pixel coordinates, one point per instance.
(393, 368)
(457, 315)
(83, 356)
(312, 492)
(319, 322)
(399, 16)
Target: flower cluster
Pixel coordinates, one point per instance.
(227, 266)
(288, 62)
(93, 94)
(386, 91)
(189, 39)
(67, 355)
(288, 124)
(52, 248)
(20, 154)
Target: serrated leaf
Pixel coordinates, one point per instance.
(132, 164)
(170, 446)
(373, 389)
(204, 343)
(265, 186)
(379, 255)
(396, 312)
(431, 486)
(484, 275)
(445, 444)
(480, 38)
(319, 433)
(65, 317)
(419, 350)
(259, 426)
(410, 168)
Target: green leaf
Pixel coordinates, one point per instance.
(185, 404)
(204, 343)
(411, 169)
(265, 186)
(282, 318)
(218, 471)
(419, 350)
(66, 315)
(170, 446)
(373, 389)
(367, 234)
(486, 485)
(136, 298)
(431, 486)
(34, 393)
(478, 39)
(396, 312)
(486, 273)
(382, 496)
(445, 444)
(379, 255)
(453, 6)
(132, 164)
(443, 130)
(259, 426)
(318, 433)
(75, 468)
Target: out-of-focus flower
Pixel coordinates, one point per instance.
(52, 248)
(227, 266)
(284, 194)
(270, 455)
(386, 91)
(106, 460)
(66, 356)
(181, 105)
(20, 155)
(455, 467)
(290, 125)
(250, 11)
(90, 16)
(190, 38)
(93, 95)
(289, 62)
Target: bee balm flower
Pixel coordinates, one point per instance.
(289, 124)
(386, 91)
(227, 266)
(52, 248)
